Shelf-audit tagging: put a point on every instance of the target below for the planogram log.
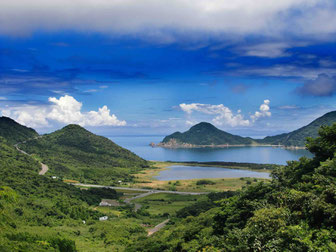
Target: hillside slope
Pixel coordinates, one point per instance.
(38, 213)
(205, 134)
(73, 152)
(14, 132)
(298, 137)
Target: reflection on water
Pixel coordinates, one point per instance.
(180, 172)
(140, 146)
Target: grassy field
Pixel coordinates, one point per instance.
(166, 204)
(146, 179)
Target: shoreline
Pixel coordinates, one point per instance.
(194, 146)
(147, 180)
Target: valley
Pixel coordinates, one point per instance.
(50, 208)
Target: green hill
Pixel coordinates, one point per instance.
(38, 213)
(14, 132)
(75, 153)
(298, 137)
(205, 134)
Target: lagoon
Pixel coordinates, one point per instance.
(264, 155)
(180, 172)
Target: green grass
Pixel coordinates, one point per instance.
(164, 203)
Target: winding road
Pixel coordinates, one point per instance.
(137, 206)
(157, 227)
(44, 167)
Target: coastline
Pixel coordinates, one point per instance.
(170, 145)
(146, 179)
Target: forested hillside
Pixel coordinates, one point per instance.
(295, 212)
(298, 137)
(73, 152)
(38, 213)
(14, 132)
(206, 134)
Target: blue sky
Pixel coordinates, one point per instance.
(144, 67)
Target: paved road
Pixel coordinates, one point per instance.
(147, 192)
(157, 227)
(44, 167)
(142, 190)
(137, 206)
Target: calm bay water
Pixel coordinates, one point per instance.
(180, 172)
(267, 155)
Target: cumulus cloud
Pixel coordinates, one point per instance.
(64, 110)
(28, 115)
(224, 115)
(323, 85)
(156, 16)
(264, 111)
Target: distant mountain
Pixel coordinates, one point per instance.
(204, 134)
(14, 132)
(73, 152)
(298, 137)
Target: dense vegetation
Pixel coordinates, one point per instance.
(75, 153)
(298, 137)
(295, 212)
(14, 132)
(38, 213)
(207, 134)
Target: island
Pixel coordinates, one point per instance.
(206, 135)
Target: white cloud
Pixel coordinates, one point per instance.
(29, 115)
(64, 110)
(289, 107)
(311, 17)
(264, 111)
(224, 115)
(267, 50)
(292, 71)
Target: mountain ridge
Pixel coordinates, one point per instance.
(75, 153)
(205, 134)
(298, 136)
(14, 132)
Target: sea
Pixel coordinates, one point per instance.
(140, 145)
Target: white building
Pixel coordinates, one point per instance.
(104, 218)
